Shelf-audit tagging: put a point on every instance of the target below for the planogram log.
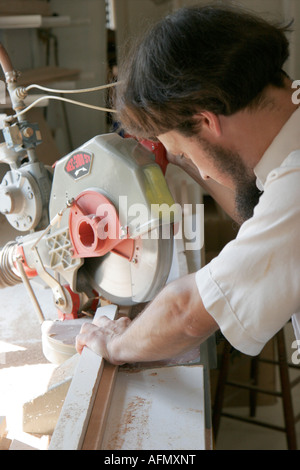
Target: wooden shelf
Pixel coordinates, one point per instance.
(45, 75)
(33, 21)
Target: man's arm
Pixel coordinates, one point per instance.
(174, 322)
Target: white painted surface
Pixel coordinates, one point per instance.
(158, 409)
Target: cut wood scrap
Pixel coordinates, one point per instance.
(41, 414)
(2, 426)
(5, 443)
(74, 418)
(18, 445)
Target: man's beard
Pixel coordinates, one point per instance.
(246, 192)
(246, 198)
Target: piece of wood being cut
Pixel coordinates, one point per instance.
(73, 422)
(98, 418)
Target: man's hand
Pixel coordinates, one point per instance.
(100, 335)
(174, 322)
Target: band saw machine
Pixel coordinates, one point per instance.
(87, 225)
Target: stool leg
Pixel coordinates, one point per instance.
(286, 392)
(219, 396)
(254, 378)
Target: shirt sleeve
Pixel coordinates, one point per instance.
(253, 287)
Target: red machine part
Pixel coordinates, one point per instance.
(76, 305)
(159, 151)
(157, 148)
(95, 228)
(30, 273)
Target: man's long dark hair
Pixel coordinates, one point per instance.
(199, 58)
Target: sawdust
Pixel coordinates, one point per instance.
(136, 413)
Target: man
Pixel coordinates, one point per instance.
(208, 83)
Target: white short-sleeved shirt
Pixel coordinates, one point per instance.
(253, 287)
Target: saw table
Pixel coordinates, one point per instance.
(161, 405)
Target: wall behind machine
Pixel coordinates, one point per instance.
(82, 45)
(133, 16)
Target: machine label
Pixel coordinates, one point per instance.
(79, 164)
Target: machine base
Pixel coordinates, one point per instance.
(58, 338)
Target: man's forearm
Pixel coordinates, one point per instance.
(173, 323)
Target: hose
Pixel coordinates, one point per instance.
(8, 277)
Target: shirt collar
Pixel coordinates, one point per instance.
(286, 141)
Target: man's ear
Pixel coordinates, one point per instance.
(209, 124)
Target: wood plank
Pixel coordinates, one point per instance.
(96, 427)
(73, 421)
(98, 418)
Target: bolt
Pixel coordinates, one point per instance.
(70, 202)
(59, 301)
(134, 261)
(30, 195)
(123, 231)
(29, 219)
(28, 132)
(21, 93)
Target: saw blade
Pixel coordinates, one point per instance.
(127, 282)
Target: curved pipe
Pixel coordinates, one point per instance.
(5, 61)
(11, 77)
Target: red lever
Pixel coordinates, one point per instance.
(157, 148)
(159, 151)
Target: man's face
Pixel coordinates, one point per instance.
(220, 164)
